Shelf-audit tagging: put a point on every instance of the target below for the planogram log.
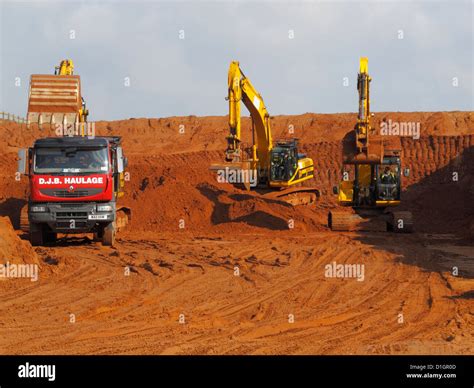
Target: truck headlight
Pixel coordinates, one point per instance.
(104, 208)
(38, 209)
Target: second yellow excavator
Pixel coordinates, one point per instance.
(278, 166)
(372, 176)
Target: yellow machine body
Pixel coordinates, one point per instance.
(240, 89)
(376, 185)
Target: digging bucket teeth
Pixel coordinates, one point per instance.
(54, 99)
(345, 222)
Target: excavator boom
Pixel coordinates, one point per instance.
(363, 118)
(241, 89)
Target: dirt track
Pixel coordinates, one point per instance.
(191, 271)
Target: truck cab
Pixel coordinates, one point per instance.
(74, 186)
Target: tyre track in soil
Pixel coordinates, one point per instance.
(229, 314)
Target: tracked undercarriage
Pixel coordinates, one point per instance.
(371, 220)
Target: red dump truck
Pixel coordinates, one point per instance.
(74, 184)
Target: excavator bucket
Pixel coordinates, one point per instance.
(347, 221)
(299, 195)
(54, 99)
(236, 167)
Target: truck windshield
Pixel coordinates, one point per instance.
(70, 160)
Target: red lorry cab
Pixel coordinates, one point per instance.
(74, 186)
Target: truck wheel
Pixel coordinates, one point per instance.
(50, 237)
(98, 235)
(108, 239)
(36, 234)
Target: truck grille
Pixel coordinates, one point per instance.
(69, 205)
(64, 218)
(70, 194)
(73, 194)
(70, 215)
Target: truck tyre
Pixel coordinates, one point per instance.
(108, 239)
(98, 235)
(50, 237)
(36, 234)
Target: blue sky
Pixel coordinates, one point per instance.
(170, 76)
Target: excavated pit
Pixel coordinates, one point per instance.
(189, 233)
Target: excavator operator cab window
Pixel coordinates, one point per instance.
(388, 182)
(283, 163)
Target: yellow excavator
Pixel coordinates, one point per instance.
(372, 175)
(56, 99)
(278, 167)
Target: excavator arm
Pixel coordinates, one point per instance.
(66, 67)
(361, 157)
(241, 89)
(363, 118)
(365, 152)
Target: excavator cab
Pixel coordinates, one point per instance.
(283, 161)
(387, 176)
(371, 184)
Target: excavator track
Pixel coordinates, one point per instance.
(295, 195)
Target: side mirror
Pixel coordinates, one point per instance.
(406, 172)
(120, 160)
(22, 161)
(335, 190)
